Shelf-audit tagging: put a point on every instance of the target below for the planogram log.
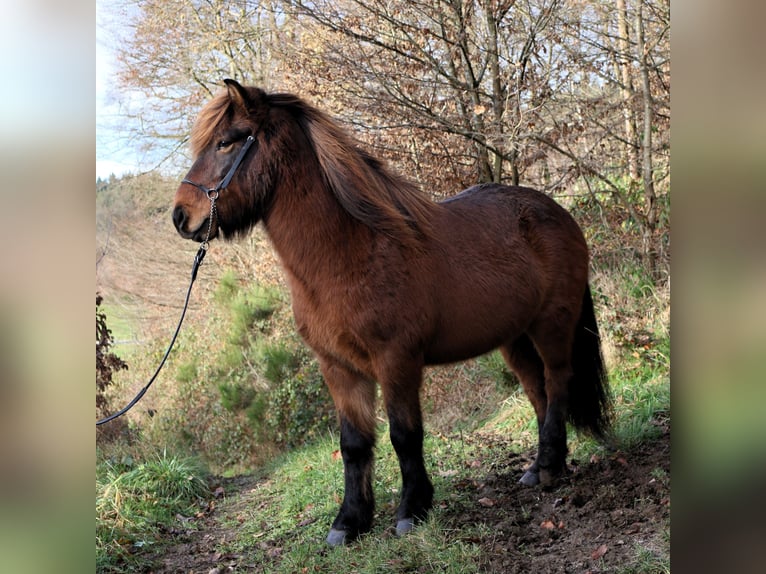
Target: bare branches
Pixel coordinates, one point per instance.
(539, 92)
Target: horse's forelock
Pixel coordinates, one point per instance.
(208, 119)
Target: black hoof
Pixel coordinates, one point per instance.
(550, 478)
(337, 537)
(530, 478)
(404, 526)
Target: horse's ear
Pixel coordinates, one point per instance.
(237, 94)
(241, 97)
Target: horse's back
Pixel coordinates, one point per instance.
(495, 217)
(505, 253)
(509, 202)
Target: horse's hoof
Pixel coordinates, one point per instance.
(404, 525)
(336, 537)
(548, 479)
(530, 478)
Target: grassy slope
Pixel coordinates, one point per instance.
(281, 520)
(304, 489)
(305, 486)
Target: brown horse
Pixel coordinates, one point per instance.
(385, 281)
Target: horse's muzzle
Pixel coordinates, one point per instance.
(179, 219)
(200, 234)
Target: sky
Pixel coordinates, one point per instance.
(113, 155)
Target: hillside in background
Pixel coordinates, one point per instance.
(242, 397)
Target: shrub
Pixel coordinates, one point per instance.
(300, 407)
(253, 390)
(107, 365)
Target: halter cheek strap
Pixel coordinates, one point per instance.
(213, 193)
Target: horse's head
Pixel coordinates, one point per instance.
(227, 167)
(250, 147)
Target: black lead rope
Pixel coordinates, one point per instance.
(212, 195)
(195, 267)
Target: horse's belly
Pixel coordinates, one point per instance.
(460, 338)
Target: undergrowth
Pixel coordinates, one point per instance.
(136, 502)
(247, 394)
(244, 390)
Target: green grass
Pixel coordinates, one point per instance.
(134, 501)
(647, 562)
(299, 500)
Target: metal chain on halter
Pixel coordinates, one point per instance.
(212, 195)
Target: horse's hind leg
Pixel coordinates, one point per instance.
(553, 342)
(522, 358)
(401, 394)
(354, 398)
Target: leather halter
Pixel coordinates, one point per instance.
(213, 193)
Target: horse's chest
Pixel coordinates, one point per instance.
(330, 329)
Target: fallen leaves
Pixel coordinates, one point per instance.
(551, 524)
(487, 502)
(599, 552)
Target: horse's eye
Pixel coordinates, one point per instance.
(222, 144)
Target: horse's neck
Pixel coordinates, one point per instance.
(313, 235)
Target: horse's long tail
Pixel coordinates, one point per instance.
(590, 404)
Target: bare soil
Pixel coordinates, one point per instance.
(596, 520)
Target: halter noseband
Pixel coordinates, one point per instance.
(213, 193)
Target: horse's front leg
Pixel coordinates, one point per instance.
(354, 399)
(402, 399)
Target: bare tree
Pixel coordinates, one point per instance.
(179, 51)
(622, 63)
(621, 54)
(559, 95)
(453, 70)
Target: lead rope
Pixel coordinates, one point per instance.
(212, 196)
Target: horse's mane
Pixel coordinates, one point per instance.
(363, 185)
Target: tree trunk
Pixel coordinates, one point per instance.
(626, 89)
(650, 213)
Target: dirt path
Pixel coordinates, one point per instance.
(598, 519)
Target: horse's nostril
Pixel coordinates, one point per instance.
(179, 217)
